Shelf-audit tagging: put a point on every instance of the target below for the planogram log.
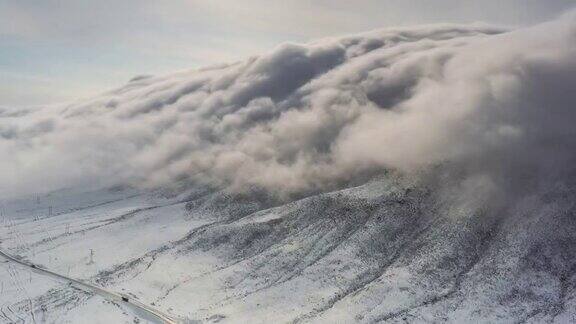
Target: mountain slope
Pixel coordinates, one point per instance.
(384, 251)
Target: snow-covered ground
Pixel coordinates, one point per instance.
(73, 234)
(384, 251)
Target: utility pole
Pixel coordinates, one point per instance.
(91, 257)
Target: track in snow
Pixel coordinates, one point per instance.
(139, 308)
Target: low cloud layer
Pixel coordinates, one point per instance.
(311, 117)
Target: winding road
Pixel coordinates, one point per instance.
(142, 310)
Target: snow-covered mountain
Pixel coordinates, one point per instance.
(417, 174)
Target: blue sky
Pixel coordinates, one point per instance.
(59, 50)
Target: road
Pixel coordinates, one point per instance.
(142, 310)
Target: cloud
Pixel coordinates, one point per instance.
(101, 44)
(301, 118)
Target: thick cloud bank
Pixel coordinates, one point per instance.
(310, 117)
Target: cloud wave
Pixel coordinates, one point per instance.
(312, 117)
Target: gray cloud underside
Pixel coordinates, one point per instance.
(311, 117)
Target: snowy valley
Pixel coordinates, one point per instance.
(421, 175)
